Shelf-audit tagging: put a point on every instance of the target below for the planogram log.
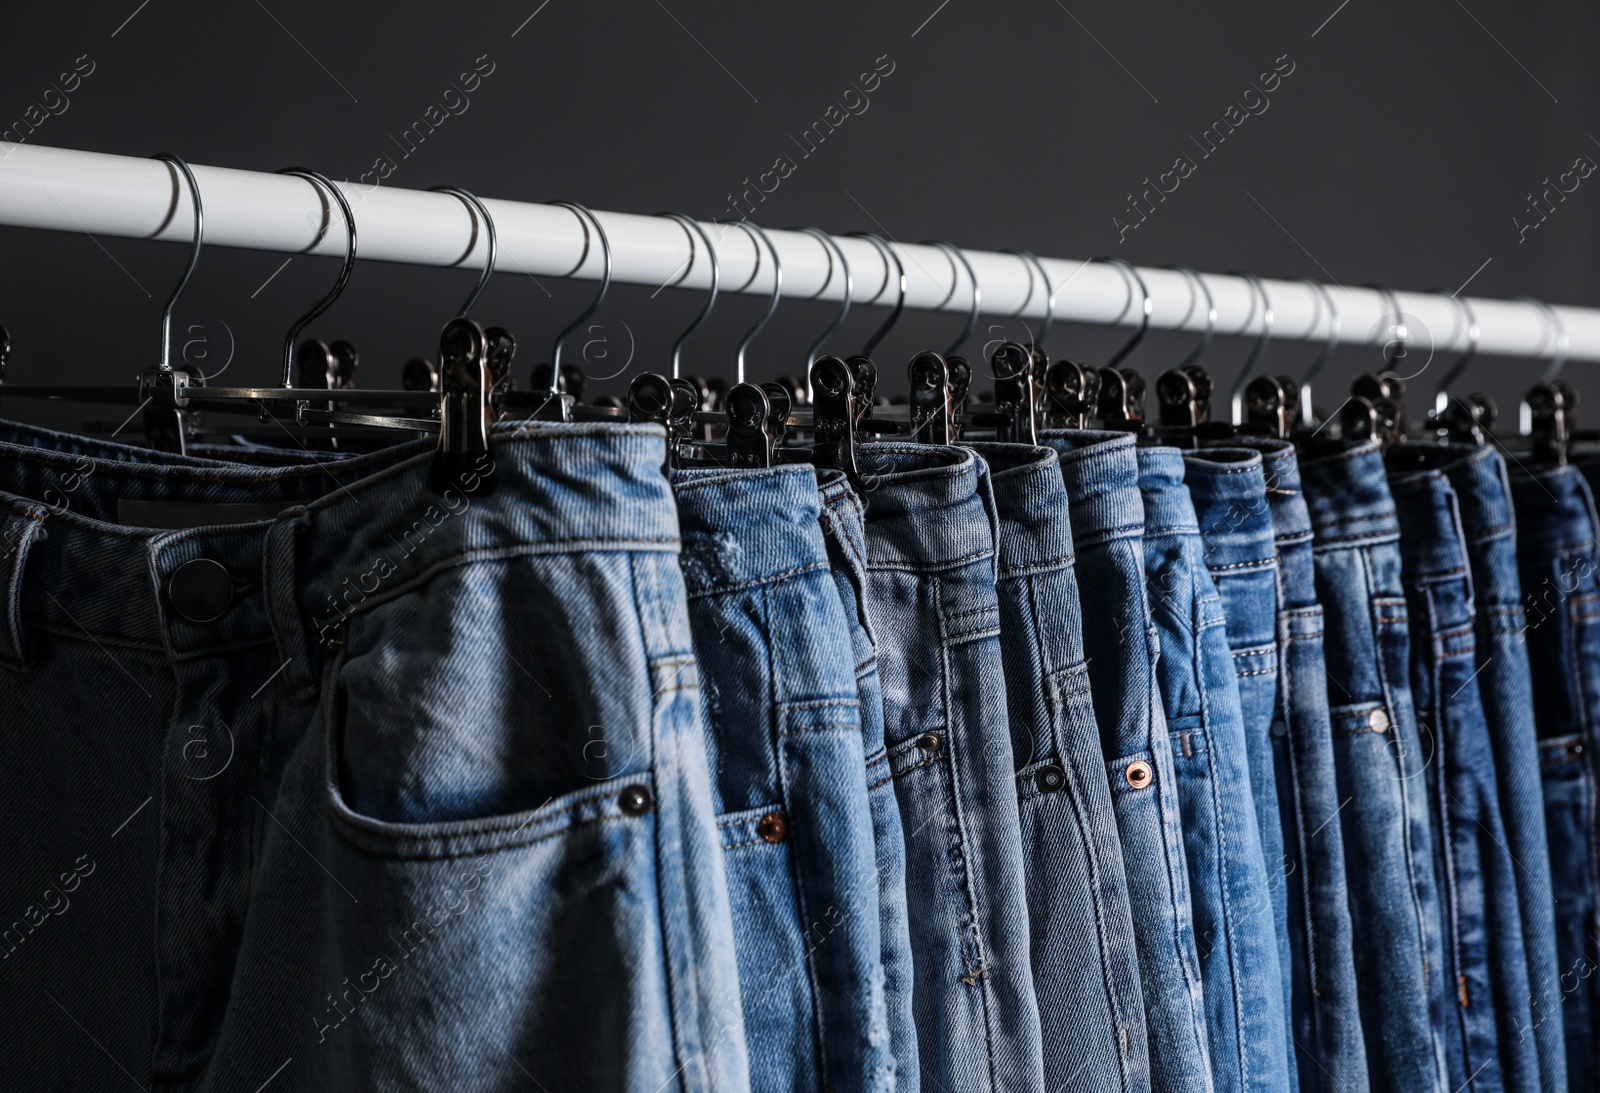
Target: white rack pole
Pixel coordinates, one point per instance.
(74, 191)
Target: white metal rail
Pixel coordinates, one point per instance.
(76, 191)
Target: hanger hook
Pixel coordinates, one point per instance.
(1131, 275)
(586, 218)
(475, 209)
(322, 182)
(194, 255)
(1033, 263)
(1236, 396)
(830, 247)
(692, 228)
(1335, 324)
(900, 303)
(777, 288)
(1211, 316)
(1553, 323)
(1441, 395)
(955, 254)
(1402, 335)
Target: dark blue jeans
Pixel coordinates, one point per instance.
(1486, 1039)
(1085, 960)
(397, 752)
(845, 530)
(1101, 471)
(1382, 779)
(1557, 556)
(1245, 1011)
(783, 737)
(1329, 1046)
(931, 572)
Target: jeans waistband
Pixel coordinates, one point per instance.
(930, 506)
(1031, 499)
(1101, 471)
(1483, 492)
(1280, 466)
(1229, 493)
(349, 536)
(1167, 507)
(1348, 495)
(775, 510)
(1555, 510)
(1431, 542)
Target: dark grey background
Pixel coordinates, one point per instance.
(1400, 149)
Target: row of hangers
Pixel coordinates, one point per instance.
(754, 425)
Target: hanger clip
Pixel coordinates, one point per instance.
(1267, 407)
(1386, 392)
(834, 416)
(1012, 365)
(1554, 409)
(780, 404)
(749, 439)
(1071, 392)
(928, 377)
(464, 410)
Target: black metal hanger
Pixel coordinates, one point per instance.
(1184, 391)
(1550, 408)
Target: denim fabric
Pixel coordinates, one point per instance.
(1245, 1008)
(1557, 557)
(1101, 472)
(846, 535)
(1326, 1016)
(1085, 960)
(1383, 796)
(1505, 683)
(1229, 492)
(930, 524)
(783, 738)
(427, 806)
(1486, 1041)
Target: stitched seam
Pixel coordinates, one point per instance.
(755, 582)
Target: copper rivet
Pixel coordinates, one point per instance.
(773, 827)
(929, 742)
(636, 800)
(1139, 774)
(1378, 721)
(1050, 779)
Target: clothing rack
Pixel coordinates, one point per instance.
(67, 190)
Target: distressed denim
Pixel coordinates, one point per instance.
(1101, 472)
(1505, 683)
(1326, 1016)
(1557, 557)
(1229, 494)
(1485, 1036)
(783, 738)
(931, 571)
(1382, 780)
(1238, 945)
(845, 532)
(426, 805)
(1085, 960)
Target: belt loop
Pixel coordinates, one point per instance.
(278, 578)
(18, 530)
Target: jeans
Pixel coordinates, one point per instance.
(1326, 1016)
(931, 531)
(329, 792)
(1557, 557)
(783, 738)
(1483, 493)
(1229, 493)
(1101, 472)
(1382, 779)
(1486, 1035)
(845, 532)
(1245, 1014)
(1085, 961)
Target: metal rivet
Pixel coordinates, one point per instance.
(1138, 774)
(636, 800)
(1279, 728)
(929, 742)
(1378, 721)
(1050, 779)
(201, 590)
(773, 827)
